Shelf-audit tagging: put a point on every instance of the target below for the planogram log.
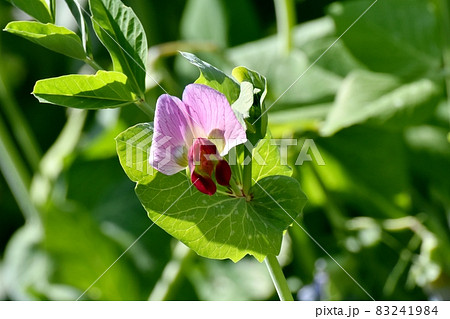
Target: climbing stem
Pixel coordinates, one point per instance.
(15, 174)
(285, 14)
(19, 125)
(279, 281)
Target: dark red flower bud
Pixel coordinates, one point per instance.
(223, 173)
(203, 183)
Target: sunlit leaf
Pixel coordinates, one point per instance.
(220, 226)
(213, 77)
(133, 148)
(121, 32)
(99, 91)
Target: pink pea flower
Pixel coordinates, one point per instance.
(195, 132)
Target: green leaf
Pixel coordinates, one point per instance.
(36, 8)
(399, 37)
(267, 160)
(133, 148)
(213, 77)
(102, 90)
(50, 36)
(381, 99)
(220, 226)
(121, 32)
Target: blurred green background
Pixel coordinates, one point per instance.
(375, 105)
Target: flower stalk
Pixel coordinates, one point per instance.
(276, 273)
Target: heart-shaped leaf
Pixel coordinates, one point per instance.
(220, 226)
(99, 91)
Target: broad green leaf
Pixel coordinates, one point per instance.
(399, 37)
(381, 99)
(50, 36)
(204, 20)
(36, 8)
(121, 32)
(220, 226)
(133, 148)
(213, 77)
(267, 160)
(102, 90)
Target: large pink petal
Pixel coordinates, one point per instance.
(168, 153)
(211, 115)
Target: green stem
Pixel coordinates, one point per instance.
(146, 108)
(53, 161)
(285, 14)
(247, 172)
(15, 174)
(19, 125)
(235, 188)
(170, 279)
(276, 273)
(93, 64)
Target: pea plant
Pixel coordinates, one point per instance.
(205, 169)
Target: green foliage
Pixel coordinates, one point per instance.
(99, 91)
(374, 103)
(36, 8)
(133, 148)
(213, 77)
(381, 100)
(50, 36)
(121, 32)
(396, 45)
(219, 226)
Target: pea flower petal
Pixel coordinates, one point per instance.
(195, 132)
